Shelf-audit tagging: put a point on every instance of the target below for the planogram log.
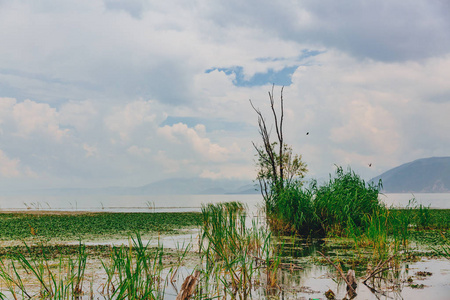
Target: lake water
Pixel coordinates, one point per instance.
(176, 203)
(316, 278)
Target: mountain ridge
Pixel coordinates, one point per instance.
(424, 175)
(171, 186)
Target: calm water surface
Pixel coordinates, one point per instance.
(164, 203)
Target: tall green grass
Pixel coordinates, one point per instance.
(292, 210)
(135, 272)
(235, 257)
(64, 281)
(345, 201)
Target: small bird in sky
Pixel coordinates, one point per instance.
(370, 165)
(307, 133)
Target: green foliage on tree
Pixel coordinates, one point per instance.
(278, 167)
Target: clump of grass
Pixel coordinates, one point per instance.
(346, 199)
(343, 203)
(135, 272)
(232, 255)
(294, 212)
(63, 282)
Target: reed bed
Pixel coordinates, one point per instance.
(346, 206)
(63, 279)
(134, 272)
(345, 201)
(235, 259)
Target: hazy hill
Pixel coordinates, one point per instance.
(426, 175)
(172, 186)
(190, 186)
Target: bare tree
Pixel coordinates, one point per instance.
(277, 165)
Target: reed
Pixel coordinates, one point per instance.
(234, 256)
(63, 282)
(135, 272)
(345, 198)
(344, 202)
(294, 212)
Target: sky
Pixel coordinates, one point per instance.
(123, 93)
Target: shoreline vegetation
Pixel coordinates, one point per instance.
(233, 259)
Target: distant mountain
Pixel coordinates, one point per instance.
(200, 186)
(191, 186)
(426, 175)
(173, 186)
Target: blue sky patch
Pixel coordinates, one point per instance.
(306, 53)
(282, 77)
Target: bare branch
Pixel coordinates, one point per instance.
(349, 285)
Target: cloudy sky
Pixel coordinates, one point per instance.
(102, 93)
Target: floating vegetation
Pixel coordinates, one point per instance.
(82, 225)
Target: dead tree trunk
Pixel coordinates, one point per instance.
(267, 152)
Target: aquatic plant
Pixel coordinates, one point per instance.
(63, 282)
(293, 211)
(233, 255)
(341, 205)
(81, 225)
(134, 272)
(345, 199)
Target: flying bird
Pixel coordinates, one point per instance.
(307, 133)
(370, 165)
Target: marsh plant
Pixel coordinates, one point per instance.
(344, 203)
(235, 258)
(134, 272)
(56, 280)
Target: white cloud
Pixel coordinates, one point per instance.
(138, 151)
(362, 111)
(181, 134)
(124, 120)
(101, 76)
(169, 165)
(9, 167)
(368, 128)
(30, 117)
(80, 114)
